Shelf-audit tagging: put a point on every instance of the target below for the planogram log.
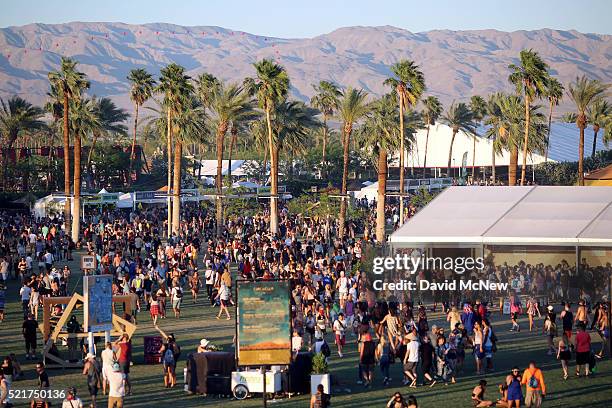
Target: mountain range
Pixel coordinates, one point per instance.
(457, 64)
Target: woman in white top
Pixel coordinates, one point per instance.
(223, 297)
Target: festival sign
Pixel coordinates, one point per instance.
(88, 262)
(98, 291)
(264, 323)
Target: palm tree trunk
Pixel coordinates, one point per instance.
(550, 113)
(512, 165)
(176, 188)
(345, 160)
(401, 160)
(474, 159)
(76, 210)
(169, 149)
(450, 153)
(219, 180)
(273, 177)
(425, 158)
(89, 157)
(324, 152)
(265, 166)
(132, 158)
(595, 131)
(234, 133)
(67, 220)
(380, 202)
(526, 139)
(581, 157)
(493, 175)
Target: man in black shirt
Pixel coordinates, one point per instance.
(29, 328)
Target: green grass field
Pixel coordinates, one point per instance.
(199, 321)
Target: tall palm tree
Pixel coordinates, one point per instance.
(227, 103)
(599, 116)
(353, 107)
(67, 84)
(112, 121)
(432, 109)
(141, 89)
(175, 87)
(270, 88)
(530, 78)
(458, 117)
(478, 107)
(380, 135)
(506, 124)
(84, 120)
(408, 83)
(326, 100)
(585, 93)
(554, 93)
(17, 116)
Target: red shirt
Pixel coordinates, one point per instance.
(126, 352)
(583, 342)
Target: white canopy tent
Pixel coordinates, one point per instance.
(529, 215)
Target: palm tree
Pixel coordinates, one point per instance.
(176, 88)
(530, 79)
(270, 88)
(142, 86)
(458, 117)
(478, 106)
(353, 107)
(585, 93)
(111, 120)
(506, 120)
(554, 93)
(432, 108)
(17, 116)
(599, 116)
(380, 135)
(84, 120)
(408, 83)
(67, 84)
(227, 104)
(326, 100)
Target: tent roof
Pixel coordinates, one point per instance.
(604, 173)
(545, 215)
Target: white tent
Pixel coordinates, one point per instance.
(209, 167)
(563, 147)
(245, 184)
(126, 200)
(49, 205)
(529, 215)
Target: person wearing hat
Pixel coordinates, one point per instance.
(71, 400)
(116, 382)
(92, 370)
(581, 314)
(203, 347)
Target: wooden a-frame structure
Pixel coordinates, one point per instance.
(54, 330)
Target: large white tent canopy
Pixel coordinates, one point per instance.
(530, 215)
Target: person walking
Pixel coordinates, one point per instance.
(411, 359)
(223, 296)
(514, 391)
(583, 350)
(92, 370)
(532, 310)
(72, 400)
(176, 296)
(29, 330)
(108, 358)
(564, 354)
(339, 327)
(535, 387)
(567, 319)
(117, 385)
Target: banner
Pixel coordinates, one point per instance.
(98, 291)
(264, 323)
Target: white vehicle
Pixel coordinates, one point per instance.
(245, 383)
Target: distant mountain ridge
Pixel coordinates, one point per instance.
(457, 64)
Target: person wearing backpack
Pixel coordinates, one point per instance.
(93, 371)
(170, 352)
(533, 379)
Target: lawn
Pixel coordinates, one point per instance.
(198, 321)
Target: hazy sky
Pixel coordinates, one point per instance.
(295, 18)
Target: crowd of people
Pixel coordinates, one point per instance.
(332, 297)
